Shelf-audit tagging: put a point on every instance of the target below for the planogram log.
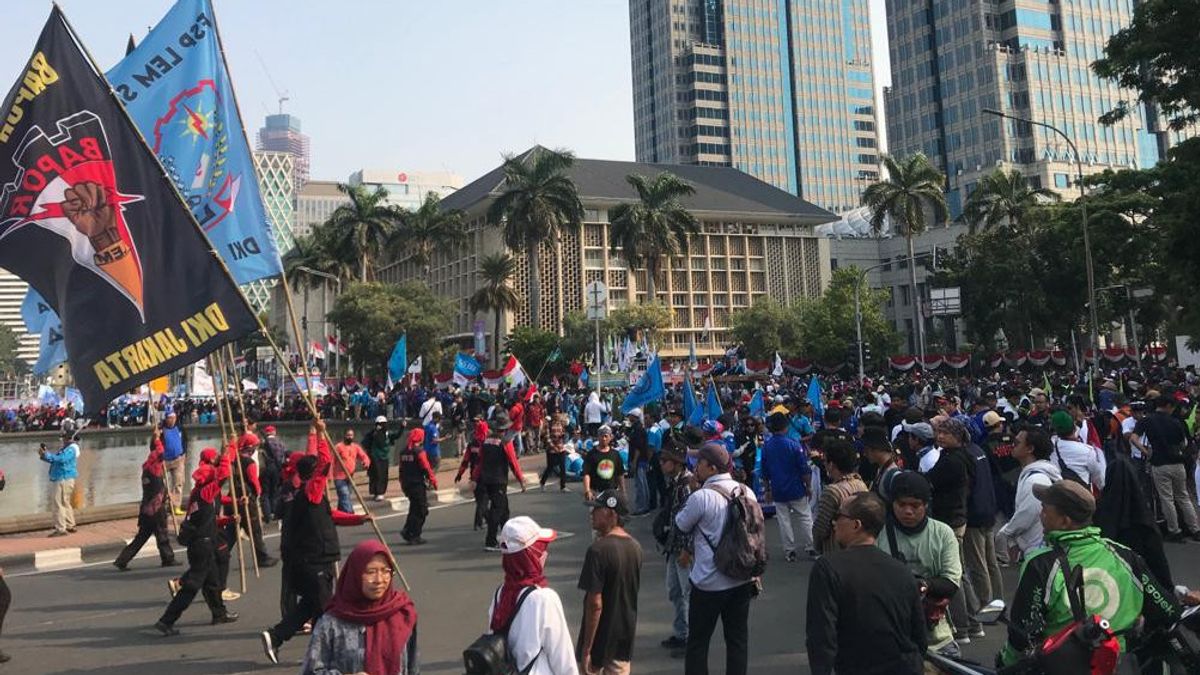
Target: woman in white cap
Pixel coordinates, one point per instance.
(539, 641)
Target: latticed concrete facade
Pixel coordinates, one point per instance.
(276, 183)
(756, 241)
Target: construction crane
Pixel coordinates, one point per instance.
(280, 95)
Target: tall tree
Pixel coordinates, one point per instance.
(371, 316)
(656, 225)
(537, 201)
(428, 228)
(358, 230)
(912, 192)
(1005, 199)
(315, 251)
(496, 294)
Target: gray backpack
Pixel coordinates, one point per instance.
(741, 551)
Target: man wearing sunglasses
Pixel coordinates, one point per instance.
(864, 608)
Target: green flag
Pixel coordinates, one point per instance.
(1049, 389)
(1191, 420)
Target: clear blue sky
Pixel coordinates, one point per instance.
(410, 84)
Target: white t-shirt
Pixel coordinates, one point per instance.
(1127, 426)
(1080, 458)
(430, 406)
(926, 461)
(539, 631)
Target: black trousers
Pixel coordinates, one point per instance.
(269, 478)
(732, 607)
(418, 510)
(313, 583)
(480, 505)
(497, 511)
(555, 461)
(149, 526)
(658, 483)
(5, 600)
(202, 576)
(377, 474)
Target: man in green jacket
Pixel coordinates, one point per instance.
(378, 444)
(1117, 584)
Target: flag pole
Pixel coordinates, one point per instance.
(226, 413)
(232, 483)
(191, 217)
(241, 474)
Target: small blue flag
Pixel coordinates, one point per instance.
(712, 402)
(398, 362)
(40, 318)
(756, 404)
(466, 368)
(74, 397)
(649, 388)
(692, 410)
(584, 377)
(814, 397)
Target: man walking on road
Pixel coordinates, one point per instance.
(175, 440)
(714, 594)
(378, 443)
(352, 455)
(610, 579)
(786, 476)
(676, 547)
(414, 471)
(152, 514)
(497, 458)
(62, 481)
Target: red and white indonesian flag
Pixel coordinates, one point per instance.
(514, 375)
(335, 347)
(317, 350)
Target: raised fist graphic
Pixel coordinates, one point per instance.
(87, 207)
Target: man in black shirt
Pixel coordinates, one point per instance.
(610, 578)
(864, 608)
(602, 467)
(1167, 450)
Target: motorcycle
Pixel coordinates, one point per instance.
(1084, 647)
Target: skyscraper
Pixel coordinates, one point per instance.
(781, 89)
(281, 133)
(1029, 58)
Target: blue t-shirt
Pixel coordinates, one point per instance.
(654, 438)
(431, 446)
(172, 438)
(799, 427)
(785, 466)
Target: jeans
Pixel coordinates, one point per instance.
(1170, 483)
(343, 493)
(641, 503)
(679, 587)
(732, 607)
(783, 515)
(519, 443)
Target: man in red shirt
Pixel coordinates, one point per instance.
(497, 458)
(535, 415)
(415, 469)
(516, 414)
(351, 454)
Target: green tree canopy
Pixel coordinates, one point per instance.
(533, 347)
(496, 295)
(10, 365)
(630, 320)
(656, 225)
(1005, 199)
(360, 229)
(372, 316)
(767, 327)
(426, 229)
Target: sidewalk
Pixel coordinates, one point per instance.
(94, 542)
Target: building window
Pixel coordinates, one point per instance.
(1062, 180)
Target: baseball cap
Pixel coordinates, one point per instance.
(1070, 497)
(715, 454)
(381, 420)
(921, 430)
(636, 412)
(611, 499)
(522, 532)
(711, 427)
(1061, 423)
(269, 429)
(992, 418)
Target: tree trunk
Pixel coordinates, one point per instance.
(918, 317)
(535, 288)
(496, 341)
(651, 292)
(363, 269)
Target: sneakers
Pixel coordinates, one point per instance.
(564, 489)
(58, 533)
(227, 617)
(674, 642)
(416, 541)
(976, 633)
(120, 565)
(180, 512)
(173, 586)
(166, 629)
(492, 549)
(790, 556)
(962, 638)
(306, 629)
(229, 596)
(268, 562)
(269, 647)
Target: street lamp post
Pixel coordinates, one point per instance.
(1087, 241)
(858, 312)
(337, 353)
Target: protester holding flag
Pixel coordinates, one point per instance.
(152, 513)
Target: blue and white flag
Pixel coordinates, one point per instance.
(814, 397)
(649, 388)
(46, 395)
(712, 402)
(398, 362)
(466, 369)
(693, 412)
(74, 397)
(40, 318)
(756, 404)
(176, 88)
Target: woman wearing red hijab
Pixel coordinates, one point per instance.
(539, 640)
(369, 626)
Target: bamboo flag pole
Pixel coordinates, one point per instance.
(191, 218)
(232, 484)
(245, 422)
(237, 460)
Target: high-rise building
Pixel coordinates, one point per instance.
(315, 202)
(951, 59)
(408, 188)
(780, 89)
(12, 294)
(275, 175)
(756, 241)
(281, 133)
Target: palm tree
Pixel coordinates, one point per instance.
(496, 295)
(360, 228)
(656, 225)
(913, 187)
(538, 200)
(315, 251)
(426, 229)
(1004, 199)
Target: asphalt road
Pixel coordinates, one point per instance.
(96, 620)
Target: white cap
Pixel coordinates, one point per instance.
(381, 420)
(522, 532)
(636, 412)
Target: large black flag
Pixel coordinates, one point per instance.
(88, 220)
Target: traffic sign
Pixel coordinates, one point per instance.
(595, 297)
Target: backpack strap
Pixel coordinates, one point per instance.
(1072, 583)
(891, 537)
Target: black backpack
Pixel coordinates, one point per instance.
(741, 551)
(488, 654)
